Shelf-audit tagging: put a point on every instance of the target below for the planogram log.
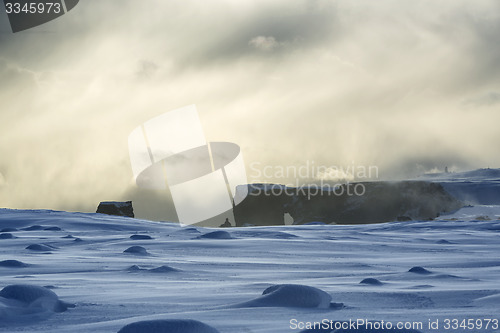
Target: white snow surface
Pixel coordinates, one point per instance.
(208, 279)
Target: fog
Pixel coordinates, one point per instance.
(406, 86)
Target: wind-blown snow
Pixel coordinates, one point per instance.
(477, 187)
(188, 277)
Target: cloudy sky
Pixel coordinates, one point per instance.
(407, 86)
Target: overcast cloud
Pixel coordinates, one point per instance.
(408, 86)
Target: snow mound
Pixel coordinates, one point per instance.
(188, 230)
(163, 269)
(315, 223)
(448, 276)
(168, 326)
(422, 286)
(136, 250)
(419, 270)
(291, 295)
(160, 269)
(6, 236)
(29, 301)
(220, 234)
(12, 264)
(52, 229)
(33, 228)
(40, 247)
(491, 300)
(265, 234)
(371, 281)
(8, 230)
(140, 237)
(135, 268)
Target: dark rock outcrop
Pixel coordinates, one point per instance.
(354, 203)
(116, 208)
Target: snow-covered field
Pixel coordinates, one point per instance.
(188, 273)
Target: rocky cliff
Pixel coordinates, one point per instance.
(355, 203)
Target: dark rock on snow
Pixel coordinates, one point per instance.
(116, 208)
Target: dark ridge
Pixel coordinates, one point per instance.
(267, 204)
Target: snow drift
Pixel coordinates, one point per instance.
(291, 295)
(29, 302)
(168, 326)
